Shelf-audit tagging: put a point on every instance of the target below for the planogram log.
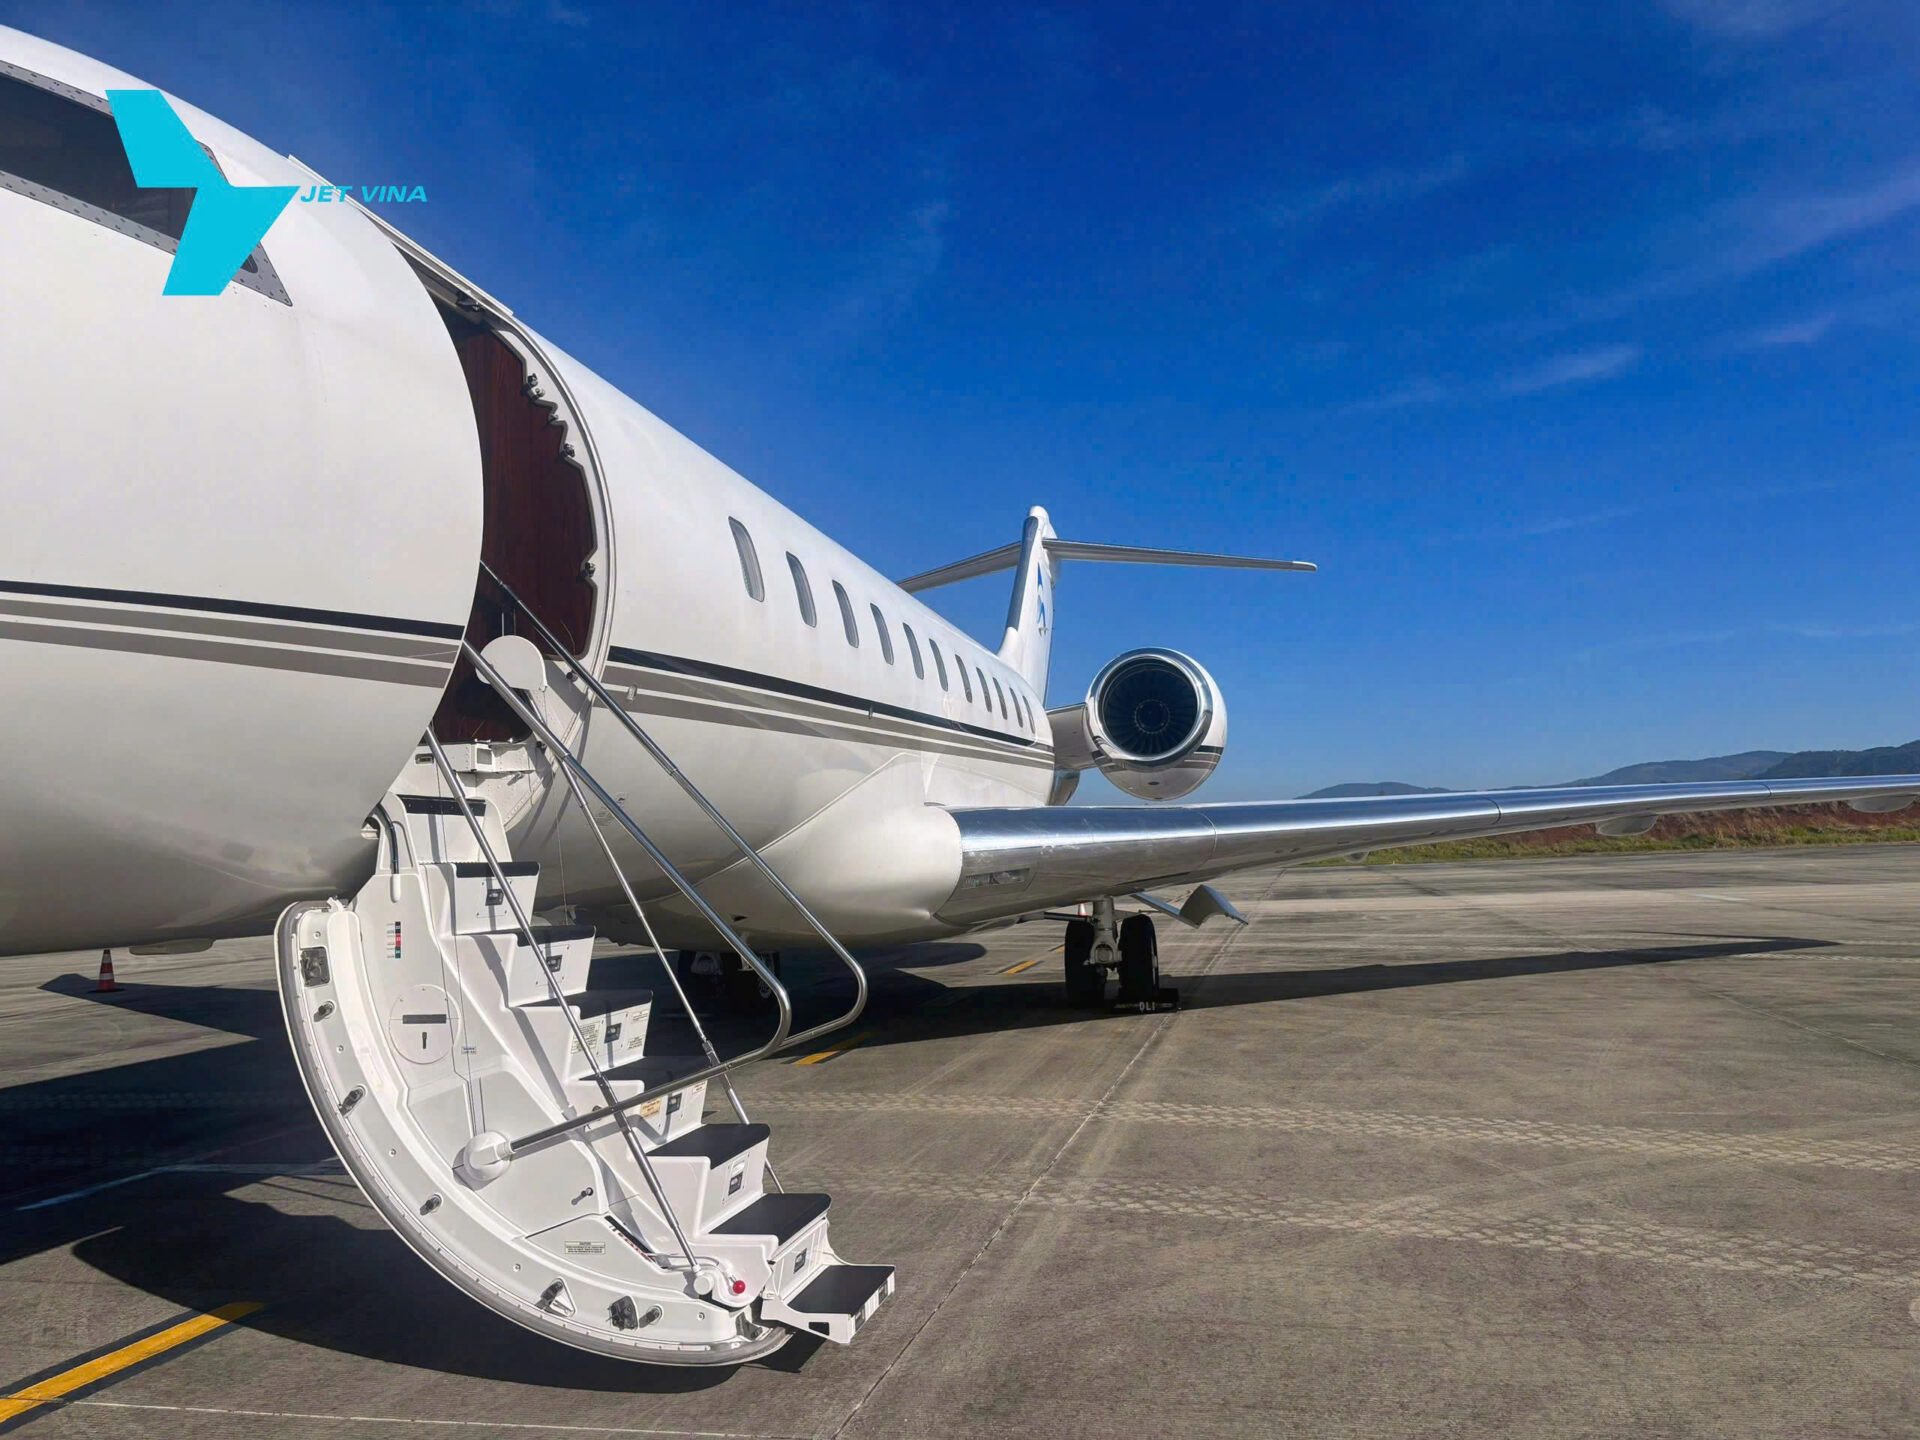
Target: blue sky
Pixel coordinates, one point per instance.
(1574, 341)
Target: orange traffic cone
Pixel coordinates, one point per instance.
(105, 985)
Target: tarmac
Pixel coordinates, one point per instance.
(1626, 1145)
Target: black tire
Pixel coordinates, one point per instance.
(1139, 960)
(1086, 984)
(740, 987)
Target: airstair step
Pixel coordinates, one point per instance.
(440, 804)
(782, 1215)
(613, 1022)
(709, 1169)
(651, 1070)
(591, 1004)
(717, 1144)
(479, 905)
(438, 830)
(664, 1116)
(835, 1303)
(564, 952)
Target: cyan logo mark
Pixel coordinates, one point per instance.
(225, 221)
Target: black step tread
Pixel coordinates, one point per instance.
(557, 934)
(651, 1070)
(782, 1215)
(477, 869)
(592, 1004)
(718, 1143)
(841, 1289)
(439, 805)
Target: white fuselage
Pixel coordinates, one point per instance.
(241, 544)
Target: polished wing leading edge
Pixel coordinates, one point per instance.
(1016, 861)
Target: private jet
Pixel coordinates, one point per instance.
(341, 606)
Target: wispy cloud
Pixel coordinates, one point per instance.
(1368, 190)
(1745, 239)
(1424, 391)
(1751, 19)
(1663, 640)
(1791, 629)
(889, 276)
(1792, 227)
(1813, 630)
(1690, 499)
(1793, 332)
(1578, 368)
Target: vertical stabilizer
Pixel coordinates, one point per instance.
(1029, 635)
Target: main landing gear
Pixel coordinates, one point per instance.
(1130, 948)
(736, 988)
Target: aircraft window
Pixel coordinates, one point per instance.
(802, 591)
(939, 662)
(966, 685)
(1002, 696)
(846, 614)
(60, 146)
(749, 560)
(913, 649)
(880, 628)
(983, 688)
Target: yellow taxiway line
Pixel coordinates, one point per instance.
(840, 1049)
(93, 1371)
(1029, 964)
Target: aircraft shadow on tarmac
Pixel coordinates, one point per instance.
(345, 1283)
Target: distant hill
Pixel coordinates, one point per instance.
(1882, 760)
(1747, 765)
(1372, 787)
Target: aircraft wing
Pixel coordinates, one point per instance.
(1019, 860)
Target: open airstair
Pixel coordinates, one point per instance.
(509, 1119)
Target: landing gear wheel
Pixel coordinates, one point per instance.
(1139, 960)
(740, 988)
(1086, 983)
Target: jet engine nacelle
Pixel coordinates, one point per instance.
(1153, 722)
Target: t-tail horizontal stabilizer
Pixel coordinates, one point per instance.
(992, 562)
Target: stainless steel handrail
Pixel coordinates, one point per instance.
(666, 965)
(632, 726)
(565, 757)
(559, 997)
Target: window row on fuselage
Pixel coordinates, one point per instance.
(1015, 707)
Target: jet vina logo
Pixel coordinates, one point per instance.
(224, 222)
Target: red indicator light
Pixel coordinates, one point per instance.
(739, 1287)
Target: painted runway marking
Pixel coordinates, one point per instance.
(820, 1057)
(1888, 1156)
(1023, 965)
(92, 1372)
(318, 1167)
(418, 1420)
(1417, 1218)
(155, 1100)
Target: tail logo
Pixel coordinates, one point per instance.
(225, 221)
